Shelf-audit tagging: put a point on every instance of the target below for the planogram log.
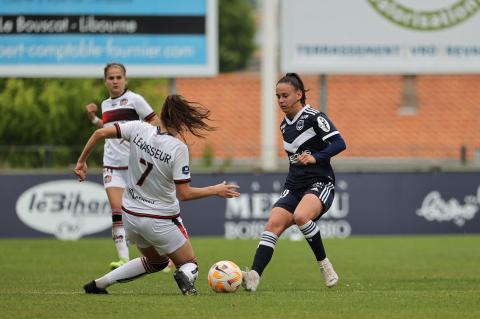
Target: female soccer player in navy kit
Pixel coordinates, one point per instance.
(122, 105)
(310, 140)
(158, 173)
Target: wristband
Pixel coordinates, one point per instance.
(95, 120)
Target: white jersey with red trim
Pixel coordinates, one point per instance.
(157, 162)
(127, 107)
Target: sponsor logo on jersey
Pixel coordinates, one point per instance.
(300, 124)
(294, 157)
(303, 116)
(186, 170)
(323, 124)
(131, 191)
(420, 18)
(65, 208)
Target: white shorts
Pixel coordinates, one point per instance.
(166, 235)
(114, 177)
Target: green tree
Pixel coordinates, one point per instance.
(236, 34)
(44, 123)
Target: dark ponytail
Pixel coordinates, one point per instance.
(295, 80)
(182, 115)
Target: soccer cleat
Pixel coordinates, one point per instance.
(116, 264)
(91, 288)
(184, 283)
(330, 276)
(250, 280)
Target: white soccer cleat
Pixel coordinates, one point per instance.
(330, 276)
(250, 280)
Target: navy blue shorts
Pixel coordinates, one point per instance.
(290, 198)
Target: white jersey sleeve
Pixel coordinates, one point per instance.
(128, 129)
(144, 110)
(181, 168)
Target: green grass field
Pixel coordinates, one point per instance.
(380, 277)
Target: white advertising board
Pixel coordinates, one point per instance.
(380, 36)
(76, 38)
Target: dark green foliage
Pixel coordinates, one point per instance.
(43, 121)
(236, 34)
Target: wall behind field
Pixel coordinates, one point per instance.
(369, 110)
(56, 205)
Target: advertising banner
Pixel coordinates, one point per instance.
(365, 204)
(380, 36)
(73, 38)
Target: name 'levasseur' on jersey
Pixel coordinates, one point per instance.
(151, 150)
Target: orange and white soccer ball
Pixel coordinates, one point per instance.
(224, 276)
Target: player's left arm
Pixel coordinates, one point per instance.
(154, 120)
(97, 137)
(181, 177)
(336, 145)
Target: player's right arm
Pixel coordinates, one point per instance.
(97, 137)
(187, 192)
(181, 178)
(92, 115)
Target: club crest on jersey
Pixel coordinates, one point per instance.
(123, 102)
(185, 170)
(299, 125)
(323, 124)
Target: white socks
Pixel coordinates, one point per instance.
(130, 271)
(120, 238)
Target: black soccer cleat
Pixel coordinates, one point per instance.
(91, 288)
(184, 283)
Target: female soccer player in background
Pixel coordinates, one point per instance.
(123, 105)
(158, 173)
(310, 140)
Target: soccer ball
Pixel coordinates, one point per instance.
(224, 276)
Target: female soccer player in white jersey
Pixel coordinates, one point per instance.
(310, 140)
(158, 173)
(123, 105)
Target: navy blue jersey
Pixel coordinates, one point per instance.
(308, 132)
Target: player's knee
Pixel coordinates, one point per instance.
(275, 227)
(301, 219)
